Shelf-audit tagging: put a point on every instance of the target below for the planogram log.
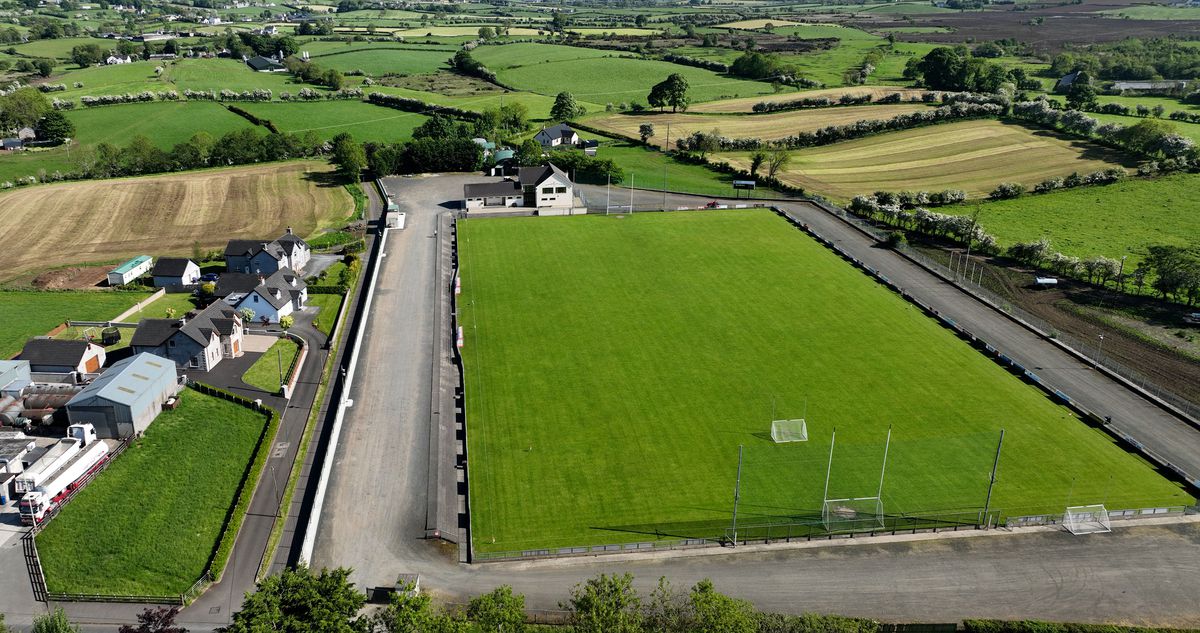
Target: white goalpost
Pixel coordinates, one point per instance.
(854, 514)
(1090, 519)
(794, 430)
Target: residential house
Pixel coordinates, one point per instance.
(545, 188)
(175, 271)
(1064, 83)
(264, 258)
(12, 144)
(130, 270)
(270, 29)
(265, 64)
(113, 60)
(197, 341)
(1149, 87)
(126, 398)
(54, 356)
(557, 136)
(273, 297)
(27, 134)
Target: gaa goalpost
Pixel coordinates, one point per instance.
(1090, 519)
(853, 514)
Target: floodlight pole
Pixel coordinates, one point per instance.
(829, 468)
(987, 505)
(883, 471)
(737, 493)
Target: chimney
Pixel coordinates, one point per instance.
(183, 320)
(289, 230)
(275, 292)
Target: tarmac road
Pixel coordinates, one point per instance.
(377, 513)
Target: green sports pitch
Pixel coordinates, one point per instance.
(614, 365)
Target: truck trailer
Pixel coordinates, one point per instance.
(62, 482)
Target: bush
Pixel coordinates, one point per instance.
(895, 239)
(1007, 190)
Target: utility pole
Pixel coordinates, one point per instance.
(631, 194)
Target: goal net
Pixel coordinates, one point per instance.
(789, 431)
(852, 515)
(1087, 519)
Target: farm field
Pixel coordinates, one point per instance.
(453, 31)
(107, 220)
(1190, 130)
(28, 313)
(1152, 12)
(731, 106)
(320, 48)
(756, 24)
(1169, 105)
(101, 543)
(1116, 220)
(742, 317)
(164, 123)
(497, 58)
(974, 156)
(646, 168)
(538, 105)
(382, 60)
(327, 119)
(614, 80)
(764, 126)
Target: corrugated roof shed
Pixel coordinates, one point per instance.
(128, 381)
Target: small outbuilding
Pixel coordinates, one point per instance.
(175, 271)
(125, 399)
(54, 356)
(130, 270)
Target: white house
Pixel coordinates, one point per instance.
(277, 296)
(118, 59)
(130, 270)
(196, 341)
(54, 356)
(557, 136)
(175, 271)
(545, 188)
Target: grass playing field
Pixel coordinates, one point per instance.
(25, 314)
(148, 524)
(747, 104)
(1115, 220)
(106, 220)
(615, 364)
(974, 156)
(764, 126)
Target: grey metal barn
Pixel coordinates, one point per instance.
(125, 399)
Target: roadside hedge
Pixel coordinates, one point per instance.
(1038, 626)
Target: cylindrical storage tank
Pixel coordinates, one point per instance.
(9, 414)
(37, 415)
(5, 401)
(47, 401)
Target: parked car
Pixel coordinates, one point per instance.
(1193, 318)
(210, 277)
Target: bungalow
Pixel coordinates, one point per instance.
(113, 60)
(274, 298)
(130, 270)
(265, 64)
(12, 144)
(1064, 82)
(1147, 87)
(264, 258)
(545, 188)
(198, 341)
(53, 356)
(557, 136)
(175, 271)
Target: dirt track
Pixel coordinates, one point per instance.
(105, 220)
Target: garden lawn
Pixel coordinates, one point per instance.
(607, 397)
(149, 524)
(180, 302)
(1115, 220)
(329, 306)
(363, 121)
(974, 156)
(264, 373)
(28, 313)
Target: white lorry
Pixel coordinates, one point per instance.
(53, 486)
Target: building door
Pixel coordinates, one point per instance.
(92, 365)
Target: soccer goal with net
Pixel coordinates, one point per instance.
(1087, 519)
(789, 431)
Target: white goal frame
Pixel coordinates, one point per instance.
(783, 431)
(852, 514)
(1091, 519)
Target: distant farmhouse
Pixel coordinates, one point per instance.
(557, 136)
(264, 258)
(265, 64)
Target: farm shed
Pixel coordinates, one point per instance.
(53, 356)
(14, 376)
(175, 271)
(14, 447)
(125, 399)
(130, 270)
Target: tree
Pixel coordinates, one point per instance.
(55, 127)
(54, 622)
(529, 153)
(349, 156)
(639, 20)
(411, 612)
(605, 604)
(717, 613)
(160, 620)
(672, 91)
(565, 107)
(500, 611)
(668, 611)
(24, 107)
(1081, 95)
(436, 126)
(1145, 137)
(287, 322)
(247, 314)
(646, 131)
(299, 601)
(757, 158)
(777, 161)
(486, 33)
(559, 22)
(87, 55)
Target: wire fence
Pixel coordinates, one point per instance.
(1088, 349)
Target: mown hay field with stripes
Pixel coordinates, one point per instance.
(746, 104)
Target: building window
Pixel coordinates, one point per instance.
(560, 190)
(547, 189)
(170, 343)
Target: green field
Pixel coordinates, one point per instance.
(25, 314)
(327, 119)
(264, 373)
(382, 60)
(647, 168)
(165, 123)
(1115, 220)
(671, 339)
(149, 524)
(498, 58)
(1153, 12)
(328, 306)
